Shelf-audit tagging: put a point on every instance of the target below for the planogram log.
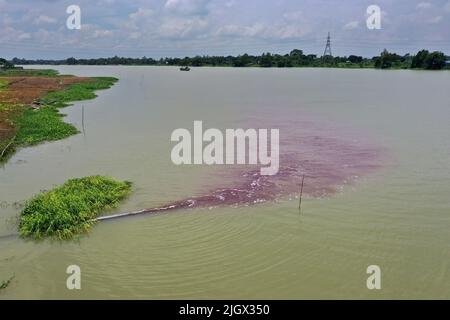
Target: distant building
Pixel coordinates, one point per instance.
(447, 62)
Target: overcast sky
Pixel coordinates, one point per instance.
(155, 28)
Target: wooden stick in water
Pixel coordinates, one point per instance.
(82, 118)
(301, 194)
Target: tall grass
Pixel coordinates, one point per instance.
(68, 210)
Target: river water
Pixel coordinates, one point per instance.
(373, 146)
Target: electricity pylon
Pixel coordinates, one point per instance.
(327, 52)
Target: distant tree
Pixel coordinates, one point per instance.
(71, 61)
(266, 60)
(242, 61)
(197, 61)
(435, 61)
(387, 60)
(5, 64)
(355, 59)
(296, 53)
(418, 60)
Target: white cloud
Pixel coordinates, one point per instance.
(137, 20)
(10, 34)
(276, 31)
(188, 7)
(423, 5)
(102, 33)
(182, 27)
(43, 19)
(24, 36)
(435, 20)
(141, 13)
(351, 25)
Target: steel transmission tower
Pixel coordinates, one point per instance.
(327, 52)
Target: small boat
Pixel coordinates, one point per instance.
(185, 68)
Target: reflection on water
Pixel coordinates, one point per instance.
(336, 126)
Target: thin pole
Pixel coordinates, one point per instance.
(301, 194)
(82, 118)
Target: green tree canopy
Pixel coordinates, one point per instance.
(435, 61)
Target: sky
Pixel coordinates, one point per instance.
(36, 29)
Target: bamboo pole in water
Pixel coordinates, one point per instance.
(301, 194)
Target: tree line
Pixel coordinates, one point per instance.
(296, 58)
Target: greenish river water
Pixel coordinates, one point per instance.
(395, 215)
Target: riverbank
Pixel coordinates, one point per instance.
(30, 103)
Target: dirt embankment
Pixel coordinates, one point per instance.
(21, 92)
(25, 90)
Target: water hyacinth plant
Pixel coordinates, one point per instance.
(69, 209)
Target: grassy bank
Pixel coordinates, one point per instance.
(68, 210)
(23, 125)
(46, 123)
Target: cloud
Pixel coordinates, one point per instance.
(43, 19)
(182, 27)
(102, 33)
(293, 25)
(447, 7)
(24, 36)
(187, 7)
(423, 5)
(277, 31)
(351, 25)
(139, 19)
(435, 20)
(141, 13)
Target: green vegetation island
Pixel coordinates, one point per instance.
(70, 209)
(296, 58)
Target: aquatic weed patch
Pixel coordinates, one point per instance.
(69, 209)
(78, 91)
(23, 126)
(44, 124)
